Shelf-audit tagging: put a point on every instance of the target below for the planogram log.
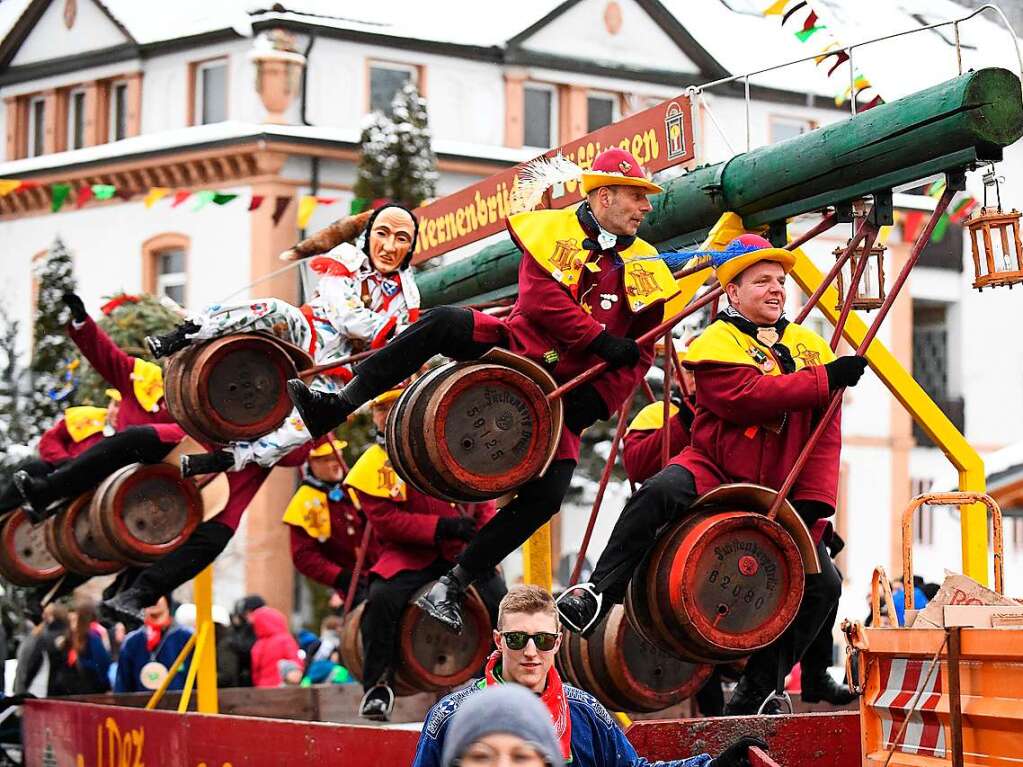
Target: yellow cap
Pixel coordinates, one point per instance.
(324, 450)
(113, 394)
(387, 397)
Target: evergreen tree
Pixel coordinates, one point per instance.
(127, 324)
(52, 374)
(412, 176)
(371, 180)
(15, 426)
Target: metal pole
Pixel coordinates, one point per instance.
(852, 83)
(826, 222)
(669, 351)
(857, 274)
(748, 134)
(811, 302)
(955, 703)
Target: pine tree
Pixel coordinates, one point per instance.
(127, 325)
(15, 425)
(371, 181)
(413, 175)
(51, 374)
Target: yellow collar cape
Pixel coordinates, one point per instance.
(723, 343)
(372, 474)
(147, 384)
(651, 417)
(554, 240)
(84, 421)
(309, 510)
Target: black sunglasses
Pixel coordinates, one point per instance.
(516, 640)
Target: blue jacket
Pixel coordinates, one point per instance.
(134, 656)
(597, 740)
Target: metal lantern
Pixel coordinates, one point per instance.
(868, 294)
(996, 233)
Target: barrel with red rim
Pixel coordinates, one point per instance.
(25, 559)
(71, 540)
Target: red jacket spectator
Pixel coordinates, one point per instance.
(274, 643)
(57, 444)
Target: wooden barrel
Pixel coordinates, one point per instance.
(143, 511)
(232, 388)
(25, 560)
(624, 671)
(430, 658)
(718, 586)
(471, 431)
(70, 539)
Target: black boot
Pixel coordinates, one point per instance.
(321, 412)
(206, 463)
(174, 341)
(822, 687)
(39, 503)
(443, 602)
(377, 703)
(581, 608)
(749, 696)
(127, 607)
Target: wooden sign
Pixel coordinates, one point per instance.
(658, 137)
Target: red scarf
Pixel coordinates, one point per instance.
(154, 632)
(553, 697)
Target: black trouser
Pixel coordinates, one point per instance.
(711, 698)
(820, 654)
(136, 444)
(382, 616)
(10, 497)
(203, 546)
(660, 501)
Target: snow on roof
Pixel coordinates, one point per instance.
(200, 135)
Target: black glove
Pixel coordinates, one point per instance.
(618, 352)
(583, 407)
(686, 408)
(735, 755)
(845, 371)
(811, 511)
(456, 527)
(342, 582)
(77, 307)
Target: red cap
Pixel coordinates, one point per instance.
(613, 167)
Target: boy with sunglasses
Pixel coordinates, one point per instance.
(527, 637)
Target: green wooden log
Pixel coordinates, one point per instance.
(949, 126)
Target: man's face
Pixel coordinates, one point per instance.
(500, 749)
(390, 239)
(760, 293)
(620, 209)
(528, 666)
(113, 408)
(326, 468)
(158, 613)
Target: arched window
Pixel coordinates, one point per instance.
(165, 266)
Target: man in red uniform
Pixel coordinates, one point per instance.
(419, 539)
(588, 287)
(327, 527)
(761, 384)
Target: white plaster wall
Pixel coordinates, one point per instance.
(50, 38)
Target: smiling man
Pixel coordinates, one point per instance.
(527, 639)
(762, 383)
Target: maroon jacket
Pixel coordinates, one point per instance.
(56, 445)
(733, 439)
(246, 483)
(116, 367)
(546, 317)
(641, 448)
(406, 531)
(324, 561)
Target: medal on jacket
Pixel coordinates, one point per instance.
(767, 336)
(335, 494)
(152, 675)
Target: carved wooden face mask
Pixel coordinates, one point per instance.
(390, 239)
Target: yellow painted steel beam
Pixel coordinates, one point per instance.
(925, 412)
(206, 652)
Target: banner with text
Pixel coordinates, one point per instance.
(658, 137)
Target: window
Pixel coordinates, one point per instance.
(931, 362)
(601, 110)
(117, 121)
(540, 116)
(923, 519)
(170, 274)
(783, 128)
(76, 120)
(36, 127)
(210, 86)
(385, 80)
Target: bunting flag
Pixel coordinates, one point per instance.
(203, 198)
(155, 194)
(58, 194)
(84, 195)
(180, 196)
(103, 191)
(281, 204)
(912, 220)
(8, 185)
(963, 209)
(222, 198)
(360, 204)
(306, 206)
(256, 201)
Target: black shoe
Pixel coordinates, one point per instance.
(749, 697)
(35, 505)
(321, 412)
(822, 687)
(174, 341)
(377, 703)
(581, 608)
(443, 602)
(127, 607)
(206, 463)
